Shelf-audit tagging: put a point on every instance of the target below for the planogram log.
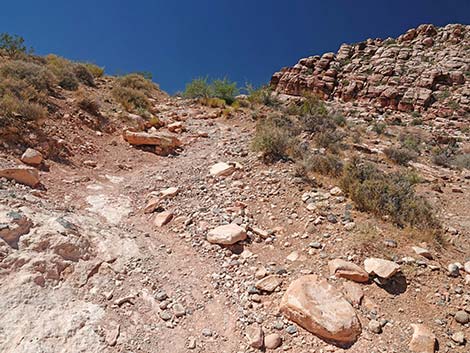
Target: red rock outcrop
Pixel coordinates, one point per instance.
(426, 68)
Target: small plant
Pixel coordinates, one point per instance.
(83, 75)
(275, 138)
(226, 90)
(263, 95)
(95, 70)
(379, 128)
(462, 161)
(131, 99)
(400, 155)
(390, 195)
(138, 82)
(327, 164)
(90, 106)
(411, 141)
(36, 75)
(198, 88)
(12, 108)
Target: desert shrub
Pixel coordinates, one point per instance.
(137, 82)
(12, 108)
(131, 99)
(379, 128)
(21, 90)
(95, 70)
(83, 75)
(326, 164)
(400, 155)
(411, 141)
(390, 195)
(461, 161)
(310, 105)
(263, 95)
(198, 88)
(225, 89)
(12, 44)
(222, 89)
(212, 102)
(68, 81)
(63, 69)
(275, 137)
(89, 105)
(329, 139)
(36, 75)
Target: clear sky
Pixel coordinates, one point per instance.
(245, 40)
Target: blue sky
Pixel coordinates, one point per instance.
(245, 40)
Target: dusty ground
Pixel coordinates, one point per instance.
(125, 291)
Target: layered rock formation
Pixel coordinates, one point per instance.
(424, 69)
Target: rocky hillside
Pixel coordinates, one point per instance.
(425, 70)
(134, 221)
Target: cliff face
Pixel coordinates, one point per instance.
(426, 69)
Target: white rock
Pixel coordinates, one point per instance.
(222, 169)
(226, 235)
(380, 267)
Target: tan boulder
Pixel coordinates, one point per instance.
(226, 235)
(163, 218)
(349, 270)
(255, 336)
(353, 293)
(423, 340)
(222, 169)
(272, 341)
(32, 157)
(380, 267)
(21, 174)
(164, 143)
(269, 283)
(318, 307)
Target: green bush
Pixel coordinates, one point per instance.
(275, 137)
(263, 95)
(198, 88)
(12, 44)
(222, 89)
(390, 195)
(137, 82)
(226, 90)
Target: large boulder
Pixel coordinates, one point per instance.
(318, 307)
(164, 143)
(227, 234)
(21, 174)
(32, 157)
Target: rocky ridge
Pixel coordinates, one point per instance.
(425, 70)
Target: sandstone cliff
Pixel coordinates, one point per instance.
(425, 69)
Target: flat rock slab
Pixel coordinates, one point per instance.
(380, 267)
(21, 174)
(423, 340)
(222, 169)
(348, 270)
(164, 143)
(226, 235)
(269, 283)
(318, 307)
